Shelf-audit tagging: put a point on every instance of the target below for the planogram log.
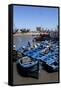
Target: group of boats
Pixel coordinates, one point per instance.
(42, 36)
(45, 52)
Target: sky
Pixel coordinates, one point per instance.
(31, 17)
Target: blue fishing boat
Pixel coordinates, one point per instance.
(50, 62)
(26, 66)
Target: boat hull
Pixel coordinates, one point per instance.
(31, 71)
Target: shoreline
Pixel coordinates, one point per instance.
(21, 34)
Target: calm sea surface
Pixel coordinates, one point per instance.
(22, 40)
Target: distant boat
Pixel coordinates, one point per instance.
(42, 36)
(26, 67)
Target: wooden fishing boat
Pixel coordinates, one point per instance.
(50, 62)
(26, 67)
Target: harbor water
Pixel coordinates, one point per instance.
(22, 40)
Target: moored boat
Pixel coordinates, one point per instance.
(42, 36)
(26, 67)
(50, 62)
